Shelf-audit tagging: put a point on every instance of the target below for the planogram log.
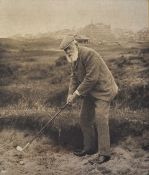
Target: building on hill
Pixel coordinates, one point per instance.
(103, 28)
(82, 39)
(97, 32)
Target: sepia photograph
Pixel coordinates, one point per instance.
(74, 87)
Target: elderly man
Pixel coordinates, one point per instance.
(92, 80)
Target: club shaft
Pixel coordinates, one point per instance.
(49, 121)
(26, 146)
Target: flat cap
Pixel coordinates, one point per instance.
(66, 41)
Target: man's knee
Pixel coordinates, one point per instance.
(87, 113)
(102, 111)
(102, 107)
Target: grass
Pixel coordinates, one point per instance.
(34, 85)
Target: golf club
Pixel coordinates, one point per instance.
(19, 148)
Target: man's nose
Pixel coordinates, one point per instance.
(68, 51)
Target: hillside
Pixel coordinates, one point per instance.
(34, 78)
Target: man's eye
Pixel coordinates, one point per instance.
(66, 50)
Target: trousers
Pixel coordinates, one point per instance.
(95, 112)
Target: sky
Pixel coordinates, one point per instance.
(40, 16)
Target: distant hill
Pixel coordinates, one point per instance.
(95, 33)
(143, 35)
(62, 33)
(28, 44)
(124, 34)
(9, 43)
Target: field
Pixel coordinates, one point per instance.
(33, 86)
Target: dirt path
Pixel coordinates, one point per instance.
(45, 158)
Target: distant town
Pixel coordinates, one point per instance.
(97, 32)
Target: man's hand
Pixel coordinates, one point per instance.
(68, 98)
(71, 98)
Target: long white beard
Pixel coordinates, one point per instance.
(73, 57)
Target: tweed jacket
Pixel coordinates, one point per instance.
(91, 76)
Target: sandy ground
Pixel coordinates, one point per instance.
(43, 157)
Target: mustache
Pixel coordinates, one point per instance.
(72, 56)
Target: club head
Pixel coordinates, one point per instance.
(18, 148)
